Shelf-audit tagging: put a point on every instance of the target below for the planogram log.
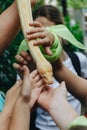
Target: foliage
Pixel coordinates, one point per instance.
(76, 31)
(77, 3)
(7, 72)
(4, 4)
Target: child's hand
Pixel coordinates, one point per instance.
(37, 84)
(32, 86)
(23, 59)
(46, 38)
(49, 98)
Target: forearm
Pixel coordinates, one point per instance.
(63, 114)
(21, 115)
(5, 118)
(75, 84)
(9, 26)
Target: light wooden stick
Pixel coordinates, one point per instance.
(43, 66)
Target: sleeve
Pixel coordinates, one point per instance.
(83, 63)
(80, 121)
(62, 31)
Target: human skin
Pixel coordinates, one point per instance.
(10, 100)
(39, 31)
(54, 101)
(75, 87)
(75, 84)
(19, 101)
(40, 24)
(10, 25)
(30, 90)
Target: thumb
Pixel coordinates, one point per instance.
(26, 72)
(63, 85)
(48, 50)
(26, 87)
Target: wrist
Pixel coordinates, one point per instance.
(7, 112)
(54, 105)
(63, 113)
(24, 102)
(58, 65)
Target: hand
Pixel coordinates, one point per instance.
(37, 85)
(46, 38)
(49, 98)
(23, 58)
(32, 86)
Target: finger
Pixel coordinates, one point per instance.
(26, 87)
(63, 85)
(47, 87)
(35, 36)
(34, 30)
(37, 78)
(20, 59)
(18, 67)
(48, 50)
(34, 73)
(43, 42)
(16, 85)
(26, 73)
(40, 82)
(26, 55)
(35, 24)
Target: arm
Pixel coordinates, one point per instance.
(54, 101)
(9, 26)
(21, 113)
(75, 84)
(10, 100)
(30, 90)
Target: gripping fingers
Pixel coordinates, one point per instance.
(20, 60)
(34, 74)
(40, 83)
